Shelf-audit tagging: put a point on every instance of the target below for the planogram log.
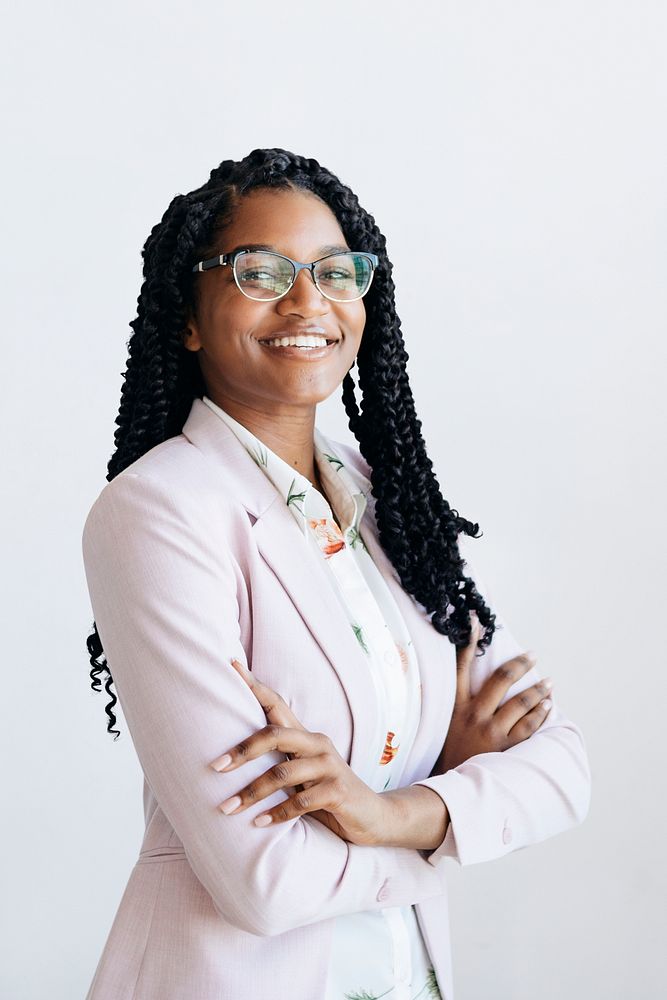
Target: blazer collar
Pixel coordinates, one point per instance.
(243, 478)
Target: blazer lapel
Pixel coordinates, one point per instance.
(277, 536)
(312, 592)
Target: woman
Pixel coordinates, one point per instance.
(291, 625)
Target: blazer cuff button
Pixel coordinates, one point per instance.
(383, 892)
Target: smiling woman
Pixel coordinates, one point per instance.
(291, 622)
(231, 332)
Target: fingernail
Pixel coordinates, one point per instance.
(547, 683)
(241, 665)
(547, 703)
(230, 805)
(263, 820)
(221, 762)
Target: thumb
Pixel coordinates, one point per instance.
(276, 709)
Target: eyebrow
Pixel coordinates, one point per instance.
(322, 251)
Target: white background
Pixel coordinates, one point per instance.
(514, 155)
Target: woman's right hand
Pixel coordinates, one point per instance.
(478, 725)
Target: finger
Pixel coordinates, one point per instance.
(464, 658)
(242, 670)
(500, 681)
(286, 774)
(517, 707)
(530, 722)
(321, 796)
(275, 707)
(298, 742)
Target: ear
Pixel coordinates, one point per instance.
(190, 335)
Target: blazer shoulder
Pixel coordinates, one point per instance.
(172, 475)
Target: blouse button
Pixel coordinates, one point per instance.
(507, 835)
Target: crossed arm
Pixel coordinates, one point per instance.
(163, 589)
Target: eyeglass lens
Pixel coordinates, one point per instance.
(341, 277)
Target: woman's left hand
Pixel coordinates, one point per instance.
(326, 786)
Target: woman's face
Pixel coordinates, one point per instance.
(228, 331)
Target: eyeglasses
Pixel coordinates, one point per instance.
(264, 275)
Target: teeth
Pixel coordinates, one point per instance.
(301, 341)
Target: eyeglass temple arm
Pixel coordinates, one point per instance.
(206, 265)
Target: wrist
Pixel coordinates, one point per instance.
(414, 816)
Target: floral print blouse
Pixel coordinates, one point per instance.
(375, 953)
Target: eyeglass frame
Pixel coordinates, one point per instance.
(230, 258)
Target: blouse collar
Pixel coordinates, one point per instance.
(348, 489)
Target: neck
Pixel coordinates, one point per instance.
(287, 431)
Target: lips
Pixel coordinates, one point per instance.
(304, 354)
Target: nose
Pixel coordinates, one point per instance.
(304, 297)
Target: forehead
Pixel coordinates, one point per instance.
(290, 222)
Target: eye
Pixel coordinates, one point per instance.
(336, 274)
(252, 275)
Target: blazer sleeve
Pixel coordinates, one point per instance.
(503, 801)
(164, 589)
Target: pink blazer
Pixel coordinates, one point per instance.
(192, 558)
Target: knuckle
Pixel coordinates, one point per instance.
(302, 800)
(243, 748)
(281, 772)
(249, 793)
(525, 699)
(493, 730)
(473, 717)
(505, 672)
(281, 812)
(273, 730)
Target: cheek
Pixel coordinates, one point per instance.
(353, 320)
(232, 323)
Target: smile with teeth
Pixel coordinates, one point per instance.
(306, 343)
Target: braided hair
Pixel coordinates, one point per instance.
(417, 527)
